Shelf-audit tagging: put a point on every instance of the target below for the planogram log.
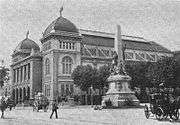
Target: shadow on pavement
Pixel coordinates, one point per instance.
(87, 121)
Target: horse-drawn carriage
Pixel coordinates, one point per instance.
(162, 106)
(40, 102)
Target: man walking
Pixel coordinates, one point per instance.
(54, 108)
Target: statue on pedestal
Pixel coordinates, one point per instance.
(119, 91)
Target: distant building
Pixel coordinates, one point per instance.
(64, 47)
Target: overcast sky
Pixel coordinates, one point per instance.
(155, 20)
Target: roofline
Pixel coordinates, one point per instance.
(112, 35)
(62, 33)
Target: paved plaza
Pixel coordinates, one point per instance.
(81, 116)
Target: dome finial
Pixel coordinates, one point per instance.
(61, 9)
(27, 34)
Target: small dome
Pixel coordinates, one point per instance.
(27, 45)
(61, 24)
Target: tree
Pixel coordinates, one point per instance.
(85, 77)
(103, 74)
(163, 71)
(138, 72)
(4, 75)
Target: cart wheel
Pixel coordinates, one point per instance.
(175, 114)
(146, 111)
(159, 113)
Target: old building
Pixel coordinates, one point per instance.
(64, 47)
(26, 70)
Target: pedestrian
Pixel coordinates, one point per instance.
(2, 106)
(162, 90)
(54, 109)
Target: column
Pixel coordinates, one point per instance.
(22, 96)
(16, 76)
(22, 73)
(19, 74)
(18, 95)
(29, 70)
(15, 96)
(26, 72)
(27, 93)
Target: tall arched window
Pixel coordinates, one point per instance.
(47, 66)
(66, 65)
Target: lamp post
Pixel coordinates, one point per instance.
(91, 88)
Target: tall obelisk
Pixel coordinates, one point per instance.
(118, 44)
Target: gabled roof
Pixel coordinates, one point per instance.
(134, 43)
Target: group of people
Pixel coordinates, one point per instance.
(5, 102)
(171, 100)
(175, 93)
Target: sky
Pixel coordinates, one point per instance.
(154, 20)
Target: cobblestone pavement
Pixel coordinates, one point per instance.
(81, 116)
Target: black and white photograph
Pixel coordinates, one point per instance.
(89, 62)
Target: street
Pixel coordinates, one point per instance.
(83, 115)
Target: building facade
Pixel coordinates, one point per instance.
(26, 70)
(64, 47)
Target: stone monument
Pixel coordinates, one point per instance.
(119, 92)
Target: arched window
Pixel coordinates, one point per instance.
(66, 65)
(47, 66)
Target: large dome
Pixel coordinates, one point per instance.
(27, 45)
(61, 24)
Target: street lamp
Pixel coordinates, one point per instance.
(91, 88)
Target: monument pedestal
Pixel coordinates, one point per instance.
(119, 92)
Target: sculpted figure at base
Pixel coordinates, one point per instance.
(118, 68)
